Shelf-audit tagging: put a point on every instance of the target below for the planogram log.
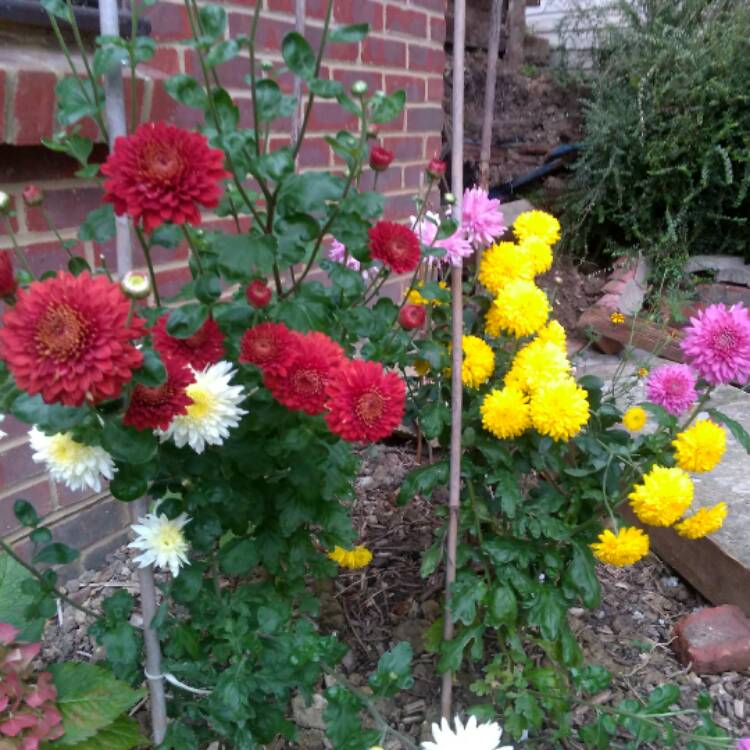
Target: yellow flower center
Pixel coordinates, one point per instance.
(203, 401)
(64, 450)
(169, 539)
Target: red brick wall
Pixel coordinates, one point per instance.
(405, 50)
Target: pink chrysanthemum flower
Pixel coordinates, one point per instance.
(481, 217)
(456, 247)
(337, 253)
(673, 387)
(717, 343)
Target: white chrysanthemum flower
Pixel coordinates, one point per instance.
(162, 542)
(75, 464)
(2, 434)
(214, 410)
(469, 737)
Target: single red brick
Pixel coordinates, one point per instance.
(437, 30)
(271, 31)
(16, 465)
(426, 59)
(340, 52)
(38, 494)
(13, 428)
(169, 21)
(231, 74)
(433, 146)
(3, 136)
(405, 148)
(398, 207)
(389, 180)
(331, 117)
(435, 90)
(425, 118)
(315, 152)
(414, 177)
(438, 5)
(406, 21)
(414, 87)
(33, 106)
(714, 640)
(66, 208)
(279, 141)
(384, 52)
(48, 256)
(363, 11)
(166, 60)
(172, 280)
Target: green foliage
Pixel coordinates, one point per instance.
(665, 169)
(14, 601)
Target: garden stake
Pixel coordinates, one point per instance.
(454, 486)
(299, 26)
(115, 112)
(490, 83)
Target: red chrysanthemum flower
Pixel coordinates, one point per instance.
(304, 387)
(269, 346)
(154, 408)
(7, 279)
(396, 245)
(365, 403)
(258, 293)
(163, 173)
(205, 347)
(412, 316)
(69, 339)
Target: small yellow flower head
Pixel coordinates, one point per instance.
(537, 224)
(663, 497)
(537, 363)
(703, 522)
(415, 298)
(642, 372)
(560, 409)
(700, 447)
(421, 367)
(502, 263)
(626, 547)
(617, 318)
(359, 557)
(521, 308)
(540, 253)
(479, 362)
(505, 413)
(554, 333)
(635, 418)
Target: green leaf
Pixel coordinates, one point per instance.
(180, 737)
(127, 444)
(26, 514)
(208, 288)
(433, 417)
(48, 417)
(184, 321)
(89, 699)
(662, 416)
(502, 606)
(227, 113)
(99, 225)
(222, 52)
(452, 652)
(581, 575)
(152, 372)
(56, 554)
(186, 90)
(739, 433)
(386, 108)
(326, 89)
(548, 612)
(78, 265)
(238, 557)
(56, 8)
(431, 559)
(242, 257)
(128, 484)
(423, 481)
(14, 601)
(108, 58)
(167, 235)
(122, 645)
(75, 100)
(466, 592)
(298, 55)
(267, 99)
(393, 672)
(351, 34)
(42, 535)
(122, 734)
(510, 493)
(213, 20)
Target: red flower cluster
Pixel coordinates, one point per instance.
(162, 173)
(154, 408)
(69, 339)
(396, 245)
(310, 373)
(7, 279)
(205, 347)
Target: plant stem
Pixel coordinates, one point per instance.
(34, 572)
(149, 263)
(20, 254)
(193, 248)
(53, 229)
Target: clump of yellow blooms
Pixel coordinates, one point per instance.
(478, 362)
(703, 522)
(504, 262)
(559, 409)
(663, 496)
(635, 418)
(553, 333)
(700, 447)
(537, 363)
(415, 297)
(521, 308)
(359, 557)
(539, 251)
(627, 547)
(537, 224)
(505, 413)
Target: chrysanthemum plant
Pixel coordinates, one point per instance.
(236, 406)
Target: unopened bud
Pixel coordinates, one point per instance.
(450, 199)
(136, 285)
(359, 88)
(266, 65)
(32, 195)
(4, 202)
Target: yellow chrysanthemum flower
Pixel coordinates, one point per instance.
(635, 418)
(502, 263)
(701, 446)
(554, 333)
(421, 367)
(415, 298)
(617, 318)
(664, 495)
(703, 522)
(479, 362)
(521, 308)
(359, 557)
(537, 363)
(505, 413)
(560, 409)
(537, 224)
(539, 252)
(626, 547)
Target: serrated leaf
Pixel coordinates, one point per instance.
(122, 734)
(152, 372)
(394, 671)
(387, 108)
(186, 320)
(423, 481)
(99, 225)
(14, 600)
(739, 433)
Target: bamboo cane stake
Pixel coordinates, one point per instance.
(454, 485)
(115, 113)
(299, 26)
(493, 50)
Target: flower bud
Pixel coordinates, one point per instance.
(266, 65)
(450, 199)
(4, 202)
(372, 133)
(412, 316)
(32, 195)
(380, 158)
(136, 285)
(359, 88)
(8, 282)
(258, 294)
(436, 168)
